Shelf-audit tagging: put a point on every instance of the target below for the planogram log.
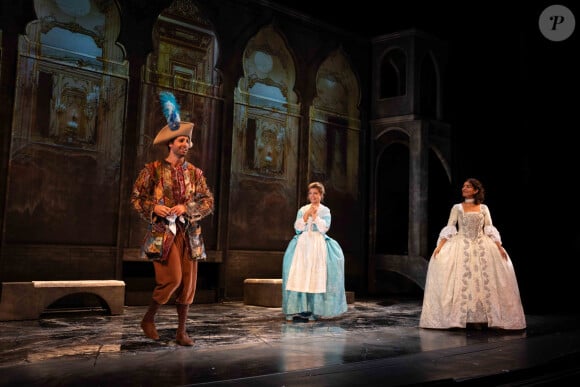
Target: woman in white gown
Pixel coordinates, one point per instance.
(313, 265)
(470, 278)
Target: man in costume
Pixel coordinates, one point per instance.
(171, 195)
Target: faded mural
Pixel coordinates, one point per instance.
(64, 171)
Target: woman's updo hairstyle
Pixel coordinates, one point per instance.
(317, 185)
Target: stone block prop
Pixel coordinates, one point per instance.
(263, 292)
(28, 300)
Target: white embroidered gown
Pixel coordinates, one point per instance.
(469, 281)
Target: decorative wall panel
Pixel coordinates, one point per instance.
(334, 143)
(67, 134)
(183, 62)
(264, 145)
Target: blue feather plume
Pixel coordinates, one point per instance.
(170, 109)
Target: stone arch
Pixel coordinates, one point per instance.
(68, 120)
(185, 52)
(264, 164)
(393, 73)
(335, 125)
(183, 61)
(334, 139)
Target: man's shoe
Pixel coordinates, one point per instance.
(150, 330)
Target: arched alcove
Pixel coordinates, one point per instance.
(334, 138)
(424, 146)
(393, 74)
(80, 302)
(264, 164)
(185, 52)
(68, 122)
(392, 196)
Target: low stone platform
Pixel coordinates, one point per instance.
(268, 292)
(263, 292)
(28, 300)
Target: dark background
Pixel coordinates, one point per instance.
(511, 97)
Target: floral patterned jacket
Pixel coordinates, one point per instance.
(161, 183)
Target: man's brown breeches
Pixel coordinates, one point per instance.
(177, 274)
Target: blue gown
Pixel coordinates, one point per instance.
(313, 267)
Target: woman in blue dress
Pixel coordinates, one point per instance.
(313, 266)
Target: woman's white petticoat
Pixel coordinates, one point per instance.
(308, 270)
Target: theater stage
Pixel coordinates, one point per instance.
(376, 343)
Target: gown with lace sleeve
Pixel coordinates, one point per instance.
(469, 281)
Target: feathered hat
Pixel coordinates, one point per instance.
(175, 127)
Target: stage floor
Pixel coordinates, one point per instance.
(376, 343)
